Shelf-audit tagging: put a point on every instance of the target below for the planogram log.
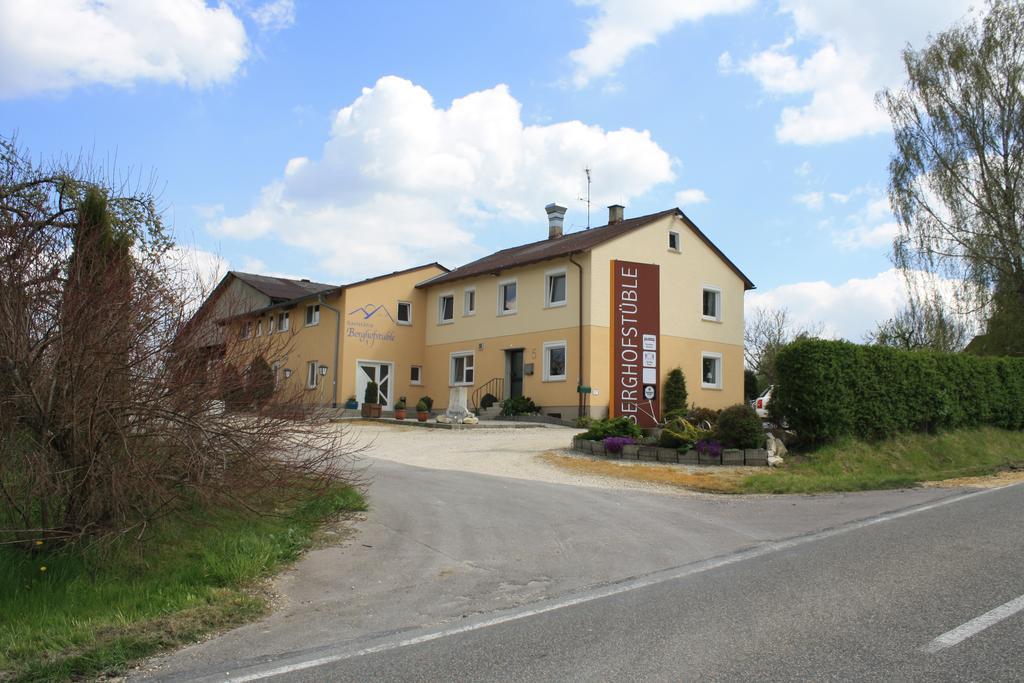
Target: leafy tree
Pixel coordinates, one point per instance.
(957, 177)
(675, 391)
(750, 385)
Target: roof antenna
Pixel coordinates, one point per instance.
(586, 169)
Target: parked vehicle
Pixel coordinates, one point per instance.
(760, 404)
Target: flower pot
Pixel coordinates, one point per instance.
(351, 405)
(364, 410)
(422, 415)
(371, 410)
(399, 413)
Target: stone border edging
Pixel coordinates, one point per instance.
(730, 456)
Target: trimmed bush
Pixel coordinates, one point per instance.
(740, 427)
(518, 405)
(675, 391)
(619, 426)
(427, 401)
(680, 434)
(831, 389)
(488, 400)
(372, 393)
(697, 415)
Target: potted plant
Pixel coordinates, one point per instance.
(370, 406)
(400, 408)
(422, 410)
(351, 403)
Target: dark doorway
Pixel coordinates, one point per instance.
(514, 370)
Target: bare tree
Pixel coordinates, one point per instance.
(924, 324)
(107, 420)
(767, 331)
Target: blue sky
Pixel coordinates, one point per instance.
(339, 140)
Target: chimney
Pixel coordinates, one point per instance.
(556, 215)
(615, 213)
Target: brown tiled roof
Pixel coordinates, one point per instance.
(573, 243)
(279, 288)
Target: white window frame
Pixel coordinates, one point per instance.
(501, 297)
(276, 368)
(718, 303)
(468, 310)
(312, 315)
(246, 330)
(441, 320)
(312, 370)
(548, 377)
(283, 321)
(271, 323)
(679, 241)
(419, 375)
(398, 317)
(259, 327)
(548, 277)
(717, 384)
(471, 366)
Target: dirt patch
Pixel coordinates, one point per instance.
(991, 481)
(705, 479)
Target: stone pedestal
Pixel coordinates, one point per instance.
(457, 410)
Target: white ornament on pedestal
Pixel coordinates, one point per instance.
(457, 409)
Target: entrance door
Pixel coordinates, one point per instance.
(514, 371)
(373, 371)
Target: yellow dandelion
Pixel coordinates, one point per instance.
(39, 542)
(42, 568)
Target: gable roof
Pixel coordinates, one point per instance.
(573, 243)
(279, 288)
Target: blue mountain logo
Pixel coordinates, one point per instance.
(370, 310)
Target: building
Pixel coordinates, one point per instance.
(589, 322)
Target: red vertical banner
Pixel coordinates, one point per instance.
(635, 331)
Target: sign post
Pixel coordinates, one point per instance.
(635, 332)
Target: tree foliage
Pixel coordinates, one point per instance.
(675, 391)
(923, 324)
(957, 177)
(767, 331)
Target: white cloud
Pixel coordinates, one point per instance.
(275, 15)
(56, 45)
(811, 200)
(622, 26)
(857, 46)
(871, 227)
(848, 310)
(864, 236)
(803, 170)
(398, 177)
(690, 197)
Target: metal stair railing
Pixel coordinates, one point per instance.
(495, 387)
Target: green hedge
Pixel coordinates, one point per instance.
(830, 389)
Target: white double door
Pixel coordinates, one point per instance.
(374, 371)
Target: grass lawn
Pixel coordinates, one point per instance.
(65, 616)
(902, 461)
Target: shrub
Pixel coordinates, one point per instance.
(750, 385)
(740, 427)
(584, 421)
(675, 391)
(709, 447)
(619, 426)
(831, 389)
(680, 434)
(488, 400)
(372, 393)
(697, 415)
(614, 444)
(426, 401)
(400, 403)
(518, 405)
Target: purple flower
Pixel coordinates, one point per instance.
(614, 444)
(709, 447)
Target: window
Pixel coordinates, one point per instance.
(712, 305)
(416, 375)
(312, 375)
(445, 309)
(276, 368)
(554, 289)
(282, 322)
(554, 361)
(462, 368)
(259, 327)
(507, 298)
(246, 330)
(711, 370)
(673, 241)
(270, 324)
(312, 315)
(469, 304)
(404, 313)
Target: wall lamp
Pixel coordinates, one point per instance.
(323, 370)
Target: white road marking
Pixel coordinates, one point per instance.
(625, 586)
(975, 626)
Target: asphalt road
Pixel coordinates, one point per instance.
(549, 581)
(862, 601)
